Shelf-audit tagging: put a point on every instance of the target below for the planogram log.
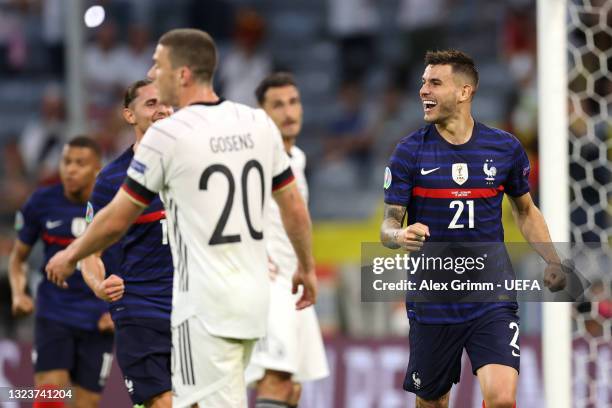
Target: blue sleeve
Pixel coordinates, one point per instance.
(102, 194)
(517, 182)
(399, 178)
(27, 222)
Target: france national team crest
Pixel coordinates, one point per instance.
(416, 380)
(489, 170)
(460, 173)
(388, 178)
(78, 226)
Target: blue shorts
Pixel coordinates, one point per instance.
(86, 354)
(143, 353)
(436, 350)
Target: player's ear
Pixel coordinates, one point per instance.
(129, 116)
(467, 91)
(185, 75)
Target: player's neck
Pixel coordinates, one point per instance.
(456, 130)
(79, 197)
(197, 93)
(139, 136)
(288, 142)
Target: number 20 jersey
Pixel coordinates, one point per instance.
(215, 166)
(457, 191)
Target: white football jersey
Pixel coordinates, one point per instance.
(278, 244)
(215, 166)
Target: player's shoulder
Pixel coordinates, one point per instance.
(498, 136)
(298, 156)
(415, 138)
(48, 192)
(298, 153)
(173, 126)
(44, 196)
(117, 167)
(410, 145)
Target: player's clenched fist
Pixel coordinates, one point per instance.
(412, 237)
(22, 305)
(110, 289)
(59, 268)
(554, 277)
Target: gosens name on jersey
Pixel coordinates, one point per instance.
(215, 166)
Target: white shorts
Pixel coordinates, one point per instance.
(293, 343)
(207, 370)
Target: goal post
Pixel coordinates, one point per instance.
(553, 136)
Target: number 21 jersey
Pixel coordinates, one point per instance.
(457, 191)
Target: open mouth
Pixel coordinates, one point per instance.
(428, 105)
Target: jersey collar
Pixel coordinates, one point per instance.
(219, 102)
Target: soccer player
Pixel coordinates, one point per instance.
(72, 336)
(216, 164)
(449, 177)
(140, 285)
(292, 350)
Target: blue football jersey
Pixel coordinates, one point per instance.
(48, 215)
(142, 257)
(457, 191)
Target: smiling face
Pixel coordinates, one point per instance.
(146, 109)
(164, 76)
(442, 92)
(284, 106)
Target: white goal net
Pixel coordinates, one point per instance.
(589, 44)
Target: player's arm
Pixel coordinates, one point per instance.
(107, 227)
(393, 236)
(109, 289)
(298, 226)
(532, 225)
(22, 304)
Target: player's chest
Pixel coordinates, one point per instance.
(66, 221)
(469, 169)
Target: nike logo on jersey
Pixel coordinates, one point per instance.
(426, 172)
(53, 224)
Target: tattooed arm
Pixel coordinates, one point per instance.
(393, 236)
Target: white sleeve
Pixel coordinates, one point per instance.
(281, 167)
(146, 175)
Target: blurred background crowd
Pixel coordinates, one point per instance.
(358, 64)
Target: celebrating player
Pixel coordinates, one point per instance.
(72, 342)
(215, 163)
(429, 173)
(140, 284)
(292, 350)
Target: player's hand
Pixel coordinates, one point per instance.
(412, 237)
(22, 305)
(59, 268)
(272, 269)
(554, 277)
(110, 289)
(307, 279)
(106, 324)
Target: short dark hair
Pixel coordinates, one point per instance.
(131, 92)
(459, 61)
(86, 142)
(275, 80)
(192, 48)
